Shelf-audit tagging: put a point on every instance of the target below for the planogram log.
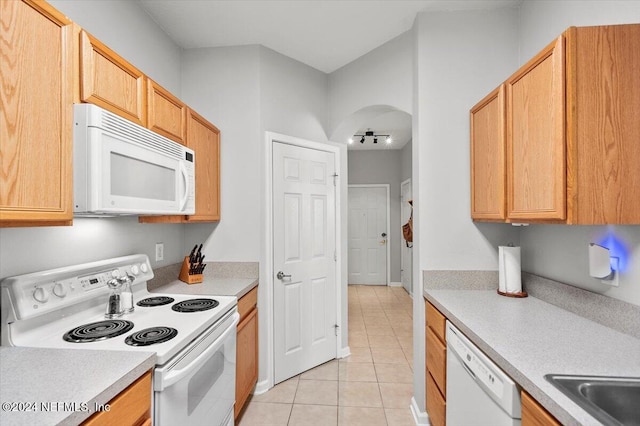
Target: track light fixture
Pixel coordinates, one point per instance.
(371, 134)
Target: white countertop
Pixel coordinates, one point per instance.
(529, 338)
(212, 286)
(31, 378)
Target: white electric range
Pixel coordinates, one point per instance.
(193, 337)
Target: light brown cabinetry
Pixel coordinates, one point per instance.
(110, 82)
(571, 133)
(36, 72)
(488, 133)
(131, 407)
(246, 349)
(533, 414)
(436, 365)
(167, 115)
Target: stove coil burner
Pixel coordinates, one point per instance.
(155, 301)
(96, 331)
(195, 305)
(150, 336)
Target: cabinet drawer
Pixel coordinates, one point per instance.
(533, 414)
(110, 82)
(436, 404)
(436, 321)
(131, 407)
(437, 360)
(247, 303)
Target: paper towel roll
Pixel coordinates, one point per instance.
(509, 274)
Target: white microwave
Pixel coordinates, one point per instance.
(121, 168)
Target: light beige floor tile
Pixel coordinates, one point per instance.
(358, 340)
(398, 416)
(266, 413)
(401, 329)
(357, 328)
(359, 394)
(358, 416)
(313, 415)
(283, 392)
(326, 371)
(380, 330)
(317, 392)
(357, 372)
(376, 341)
(396, 395)
(358, 355)
(394, 373)
(388, 356)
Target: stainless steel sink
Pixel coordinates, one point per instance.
(614, 401)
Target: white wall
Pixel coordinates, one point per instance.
(126, 28)
(138, 39)
(373, 166)
(555, 251)
(381, 77)
(405, 161)
(459, 57)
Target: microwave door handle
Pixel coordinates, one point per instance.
(176, 375)
(185, 178)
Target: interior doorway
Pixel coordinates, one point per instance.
(369, 234)
(406, 248)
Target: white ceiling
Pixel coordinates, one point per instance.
(323, 34)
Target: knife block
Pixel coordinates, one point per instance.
(184, 273)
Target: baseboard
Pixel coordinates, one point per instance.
(344, 352)
(420, 417)
(395, 284)
(261, 387)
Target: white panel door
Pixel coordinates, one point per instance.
(304, 241)
(406, 253)
(368, 235)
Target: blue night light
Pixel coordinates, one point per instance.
(617, 248)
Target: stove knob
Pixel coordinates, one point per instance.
(144, 268)
(40, 294)
(135, 270)
(59, 290)
(115, 273)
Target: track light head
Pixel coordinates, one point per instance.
(388, 140)
(375, 140)
(362, 140)
(350, 141)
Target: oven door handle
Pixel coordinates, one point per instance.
(176, 375)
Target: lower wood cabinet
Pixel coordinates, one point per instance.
(246, 349)
(436, 362)
(131, 407)
(533, 414)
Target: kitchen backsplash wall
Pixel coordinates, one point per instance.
(556, 251)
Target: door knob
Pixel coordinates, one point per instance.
(280, 275)
(384, 234)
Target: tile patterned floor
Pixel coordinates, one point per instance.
(371, 387)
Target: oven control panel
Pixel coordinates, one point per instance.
(34, 294)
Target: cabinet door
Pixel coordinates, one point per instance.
(36, 114)
(246, 359)
(488, 133)
(533, 414)
(110, 82)
(167, 114)
(204, 138)
(536, 173)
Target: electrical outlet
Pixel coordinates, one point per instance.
(159, 251)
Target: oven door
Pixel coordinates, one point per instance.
(197, 386)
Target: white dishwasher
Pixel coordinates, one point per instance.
(478, 392)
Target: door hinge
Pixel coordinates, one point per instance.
(337, 328)
(335, 176)
(335, 256)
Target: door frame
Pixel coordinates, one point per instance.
(270, 139)
(389, 233)
(403, 183)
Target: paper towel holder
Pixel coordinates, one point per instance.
(600, 261)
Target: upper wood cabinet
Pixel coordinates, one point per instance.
(167, 114)
(110, 82)
(572, 130)
(37, 74)
(488, 157)
(204, 138)
(536, 137)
